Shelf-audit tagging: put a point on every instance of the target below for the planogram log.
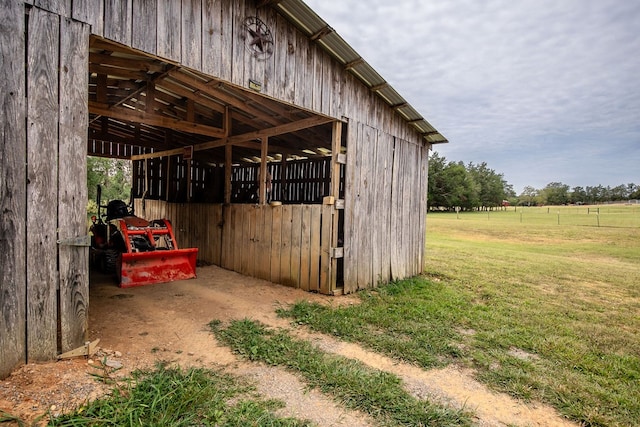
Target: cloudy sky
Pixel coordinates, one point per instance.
(541, 90)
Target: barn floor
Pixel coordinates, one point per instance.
(168, 322)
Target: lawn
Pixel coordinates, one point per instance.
(543, 311)
(541, 303)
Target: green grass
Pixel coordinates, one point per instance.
(174, 397)
(356, 386)
(544, 312)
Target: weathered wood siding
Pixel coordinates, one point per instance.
(72, 177)
(42, 183)
(43, 285)
(385, 208)
(12, 187)
(206, 35)
(285, 244)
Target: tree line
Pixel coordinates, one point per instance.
(478, 187)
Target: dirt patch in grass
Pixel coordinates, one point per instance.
(169, 322)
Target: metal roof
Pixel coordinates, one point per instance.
(307, 21)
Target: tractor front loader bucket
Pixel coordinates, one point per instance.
(160, 266)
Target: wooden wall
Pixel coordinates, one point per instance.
(287, 244)
(386, 173)
(42, 184)
(42, 161)
(206, 35)
(385, 210)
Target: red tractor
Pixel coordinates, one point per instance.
(138, 251)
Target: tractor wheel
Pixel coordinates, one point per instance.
(109, 261)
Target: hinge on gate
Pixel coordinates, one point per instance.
(76, 241)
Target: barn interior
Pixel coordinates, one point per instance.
(196, 139)
(157, 113)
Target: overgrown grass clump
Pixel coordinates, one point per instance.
(544, 312)
(377, 393)
(170, 396)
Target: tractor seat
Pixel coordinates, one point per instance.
(135, 221)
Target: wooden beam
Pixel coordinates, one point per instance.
(242, 139)
(154, 120)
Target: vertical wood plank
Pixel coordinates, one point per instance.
(303, 94)
(212, 37)
(42, 189)
(305, 247)
(315, 247)
(396, 204)
(226, 255)
(192, 33)
(279, 56)
(385, 156)
(352, 203)
(117, 20)
(252, 240)
(265, 243)
(276, 243)
(215, 234)
(169, 30)
(91, 12)
(144, 31)
(236, 236)
(290, 64)
(58, 7)
(365, 246)
(239, 53)
(72, 192)
(296, 226)
(12, 186)
(285, 245)
(325, 250)
(423, 204)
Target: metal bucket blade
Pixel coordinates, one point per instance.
(145, 268)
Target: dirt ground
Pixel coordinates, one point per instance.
(168, 322)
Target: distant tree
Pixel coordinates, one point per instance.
(578, 195)
(450, 185)
(490, 185)
(113, 175)
(528, 196)
(618, 193)
(555, 193)
(436, 185)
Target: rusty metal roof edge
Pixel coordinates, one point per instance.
(310, 23)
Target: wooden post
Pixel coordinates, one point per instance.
(264, 147)
(228, 157)
(336, 147)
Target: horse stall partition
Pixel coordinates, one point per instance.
(287, 244)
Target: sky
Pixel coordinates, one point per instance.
(541, 90)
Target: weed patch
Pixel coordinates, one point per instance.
(170, 396)
(355, 385)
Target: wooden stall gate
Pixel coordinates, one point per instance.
(287, 244)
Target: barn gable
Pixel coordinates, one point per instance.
(208, 99)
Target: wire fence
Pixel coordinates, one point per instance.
(620, 216)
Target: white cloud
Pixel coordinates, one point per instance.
(506, 81)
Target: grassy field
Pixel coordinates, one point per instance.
(542, 311)
(541, 302)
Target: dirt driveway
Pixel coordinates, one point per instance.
(168, 322)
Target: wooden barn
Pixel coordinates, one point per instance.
(270, 144)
